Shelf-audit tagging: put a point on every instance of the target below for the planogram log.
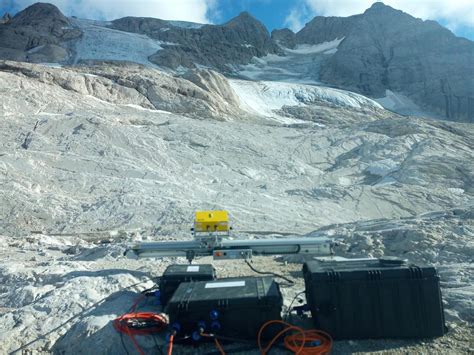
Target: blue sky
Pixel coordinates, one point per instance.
(271, 12)
(457, 15)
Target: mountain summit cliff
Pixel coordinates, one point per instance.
(387, 49)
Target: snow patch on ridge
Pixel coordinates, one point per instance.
(324, 47)
(298, 65)
(186, 24)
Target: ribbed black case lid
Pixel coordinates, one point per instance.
(362, 269)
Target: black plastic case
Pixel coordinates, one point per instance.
(174, 275)
(232, 307)
(374, 299)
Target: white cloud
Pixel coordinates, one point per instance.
(454, 12)
(184, 10)
(294, 21)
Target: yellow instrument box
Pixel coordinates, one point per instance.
(211, 221)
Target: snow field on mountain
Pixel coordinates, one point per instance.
(99, 42)
(329, 47)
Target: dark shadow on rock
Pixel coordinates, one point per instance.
(106, 272)
(92, 332)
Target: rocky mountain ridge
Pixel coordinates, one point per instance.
(387, 49)
(382, 50)
(216, 46)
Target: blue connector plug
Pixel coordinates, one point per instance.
(215, 325)
(201, 325)
(213, 314)
(196, 335)
(176, 327)
(158, 297)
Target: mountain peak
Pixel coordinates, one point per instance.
(380, 7)
(243, 18)
(39, 12)
(245, 14)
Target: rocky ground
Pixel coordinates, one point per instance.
(122, 152)
(60, 294)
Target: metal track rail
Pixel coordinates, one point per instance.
(232, 249)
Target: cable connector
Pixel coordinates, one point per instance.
(301, 309)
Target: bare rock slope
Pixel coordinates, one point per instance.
(144, 144)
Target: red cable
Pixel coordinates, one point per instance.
(139, 323)
(219, 346)
(125, 323)
(216, 342)
(170, 346)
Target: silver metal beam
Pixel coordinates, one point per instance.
(194, 248)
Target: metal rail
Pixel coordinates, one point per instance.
(232, 249)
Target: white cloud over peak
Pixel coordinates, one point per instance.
(294, 20)
(453, 12)
(184, 10)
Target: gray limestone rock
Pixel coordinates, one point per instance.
(213, 82)
(5, 18)
(201, 94)
(45, 53)
(324, 29)
(35, 34)
(284, 37)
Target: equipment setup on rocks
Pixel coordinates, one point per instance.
(347, 298)
(211, 234)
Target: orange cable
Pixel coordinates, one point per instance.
(170, 346)
(216, 342)
(219, 346)
(297, 342)
(125, 323)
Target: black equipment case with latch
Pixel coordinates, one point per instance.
(374, 298)
(231, 307)
(175, 274)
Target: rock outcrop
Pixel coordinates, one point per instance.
(386, 49)
(5, 18)
(35, 34)
(323, 29)
(284, 37)
(201, 94)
